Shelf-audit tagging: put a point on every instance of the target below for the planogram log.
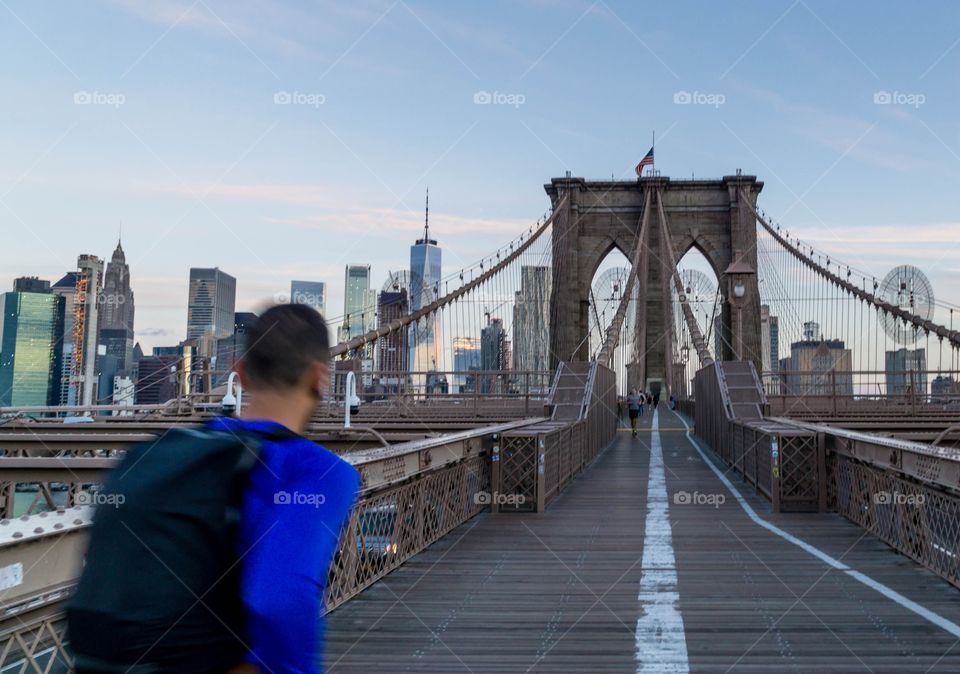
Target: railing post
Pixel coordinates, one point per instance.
(541, 478)
(821, 473)
(495, 472)
(775, 473)
(526, 393)
(833, 385)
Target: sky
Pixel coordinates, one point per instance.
(282, 140)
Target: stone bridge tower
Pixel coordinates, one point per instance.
(602, 215)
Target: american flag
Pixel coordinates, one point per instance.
(646, 161)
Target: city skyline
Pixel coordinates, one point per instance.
(835, 151)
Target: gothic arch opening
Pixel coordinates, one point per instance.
(702, 292)
(607, 288)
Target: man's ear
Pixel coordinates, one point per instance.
(240, 367)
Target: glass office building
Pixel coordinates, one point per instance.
(311, 293)
(29, 350)
(425, 338)
(210, 307)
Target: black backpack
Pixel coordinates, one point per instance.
(160, 586)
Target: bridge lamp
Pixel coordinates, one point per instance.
(739, 276)
(233, 396)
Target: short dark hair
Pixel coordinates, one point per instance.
(282, 344)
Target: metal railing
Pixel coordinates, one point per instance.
(783, 463)
(412, 494)
(534, 464)
(905, 493)
(850, 392)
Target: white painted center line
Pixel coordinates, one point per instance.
(891, 594)
(661, 641)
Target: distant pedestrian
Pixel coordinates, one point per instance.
(635, 407)
(656, 400)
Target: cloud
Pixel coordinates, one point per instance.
(282, 28)
(844, 134)
(406, 223)
(884, 234)
(292, 193)
(153, 332)
(876, 249)
(172, 12)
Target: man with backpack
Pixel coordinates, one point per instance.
(216, 558)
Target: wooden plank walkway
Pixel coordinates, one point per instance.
(558, 592)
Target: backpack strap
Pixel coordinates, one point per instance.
(251, 441)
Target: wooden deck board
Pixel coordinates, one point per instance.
(557, 592)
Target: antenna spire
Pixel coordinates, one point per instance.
(426, 218)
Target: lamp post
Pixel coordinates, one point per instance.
(739, 276)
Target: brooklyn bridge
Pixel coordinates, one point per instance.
(773, 513)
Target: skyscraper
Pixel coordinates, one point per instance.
(66, 290)
(232, 347)
(157, 379)
(392, 348)
(359, 302)
(466, 357)
(531, 320)
(425, 265)
(494, 354)
(116, 311)
(770, 346)
(210, 307)
(29, 351)
(818, 367)
(86, 321)
(30, 284)
(906, 371)
(392, 352)
(311, 293)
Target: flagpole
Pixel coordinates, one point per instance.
(653, 146)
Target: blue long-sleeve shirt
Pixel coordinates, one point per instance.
(298, 499)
